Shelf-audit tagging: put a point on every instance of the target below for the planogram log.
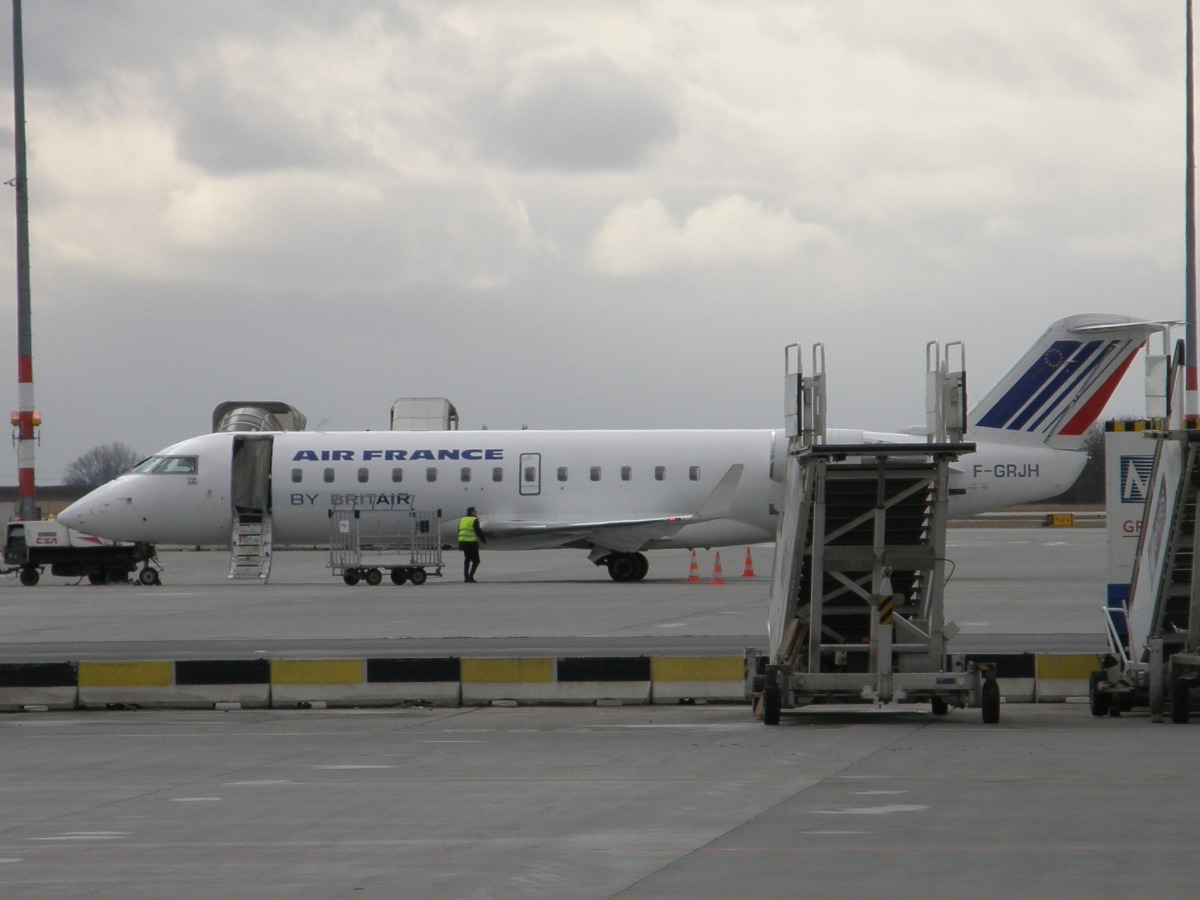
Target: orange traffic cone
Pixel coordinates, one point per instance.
(693, 572)
(748, 572)
(718, 577)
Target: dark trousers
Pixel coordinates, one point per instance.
(470, 551)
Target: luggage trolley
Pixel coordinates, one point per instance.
(363, 544)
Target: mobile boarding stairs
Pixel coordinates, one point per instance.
(856, 612)
(1154, 642)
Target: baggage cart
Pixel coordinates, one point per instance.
(366, 544)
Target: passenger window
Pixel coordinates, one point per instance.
(431, 474)
(595, 473)
(465, 474)
(329, 476)
(397, 474)
(660, 473)
(498, 474)
(297, 476)
(562, 473)
(626, 473)
(363, 475)
(694, 473)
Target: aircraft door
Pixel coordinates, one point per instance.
(250, 474)
(531, 474)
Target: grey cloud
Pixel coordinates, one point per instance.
(226, 131)
(577, 115)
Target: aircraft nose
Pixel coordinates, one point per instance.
(92, 514)
(78, 515)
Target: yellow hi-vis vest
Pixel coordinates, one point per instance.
(466, 530)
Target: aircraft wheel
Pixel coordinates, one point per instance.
(351, 577)
(1180, 698)
(991, 703)
(373, 577)
(148, 577)
(417, 577)
(622, 567)
(643, 566)
(772, 704)
(399, 576)
(1098, 700)
(30, 576)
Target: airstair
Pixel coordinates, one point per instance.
(250, 559)
(857, 610)
(250, 497)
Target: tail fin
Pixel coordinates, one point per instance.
(1060, 386)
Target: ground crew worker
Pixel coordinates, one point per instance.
(469, 537)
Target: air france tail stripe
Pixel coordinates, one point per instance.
(1115, 354)
(1018, 395)
(1071, 370)
(1086, 375)
(1091, 410)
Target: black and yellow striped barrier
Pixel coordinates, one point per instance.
(449, 681)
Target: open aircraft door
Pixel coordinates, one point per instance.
(531, 474)
(250, 495)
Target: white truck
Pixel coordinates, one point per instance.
(31, 546)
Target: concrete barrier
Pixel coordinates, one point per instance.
(1060, 676)
(395, 682)
(676, 679)
(450, 681)
(49, 685)
(209, 683)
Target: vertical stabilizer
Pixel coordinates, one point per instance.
(1060, 386)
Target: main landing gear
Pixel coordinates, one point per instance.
(625, 566)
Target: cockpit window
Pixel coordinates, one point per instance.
(145, 465)
(176, 465)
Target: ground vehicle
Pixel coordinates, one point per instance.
(31, 546)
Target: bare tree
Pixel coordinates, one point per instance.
(100, 464)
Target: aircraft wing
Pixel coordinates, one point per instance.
(621, 535)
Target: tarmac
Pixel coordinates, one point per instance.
(697, 801)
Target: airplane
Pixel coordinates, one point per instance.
(613, 493)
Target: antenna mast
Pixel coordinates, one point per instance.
(25, 415)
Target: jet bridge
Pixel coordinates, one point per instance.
(856, 612)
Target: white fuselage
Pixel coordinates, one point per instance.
(532, 488)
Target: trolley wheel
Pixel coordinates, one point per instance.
(148, 577)
(399, 576)
(1180, 698)
(373, 577)
(772, 703)
(940, 706)
(351, 577)
(1098, 700)
(417, 576)
(991, 703)
(98, 578)
(30, 576)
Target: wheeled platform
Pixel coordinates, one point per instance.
(856, 596)
(1154, 638)
(364, 544)
(30, 547)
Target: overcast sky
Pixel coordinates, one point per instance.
(570, 215)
